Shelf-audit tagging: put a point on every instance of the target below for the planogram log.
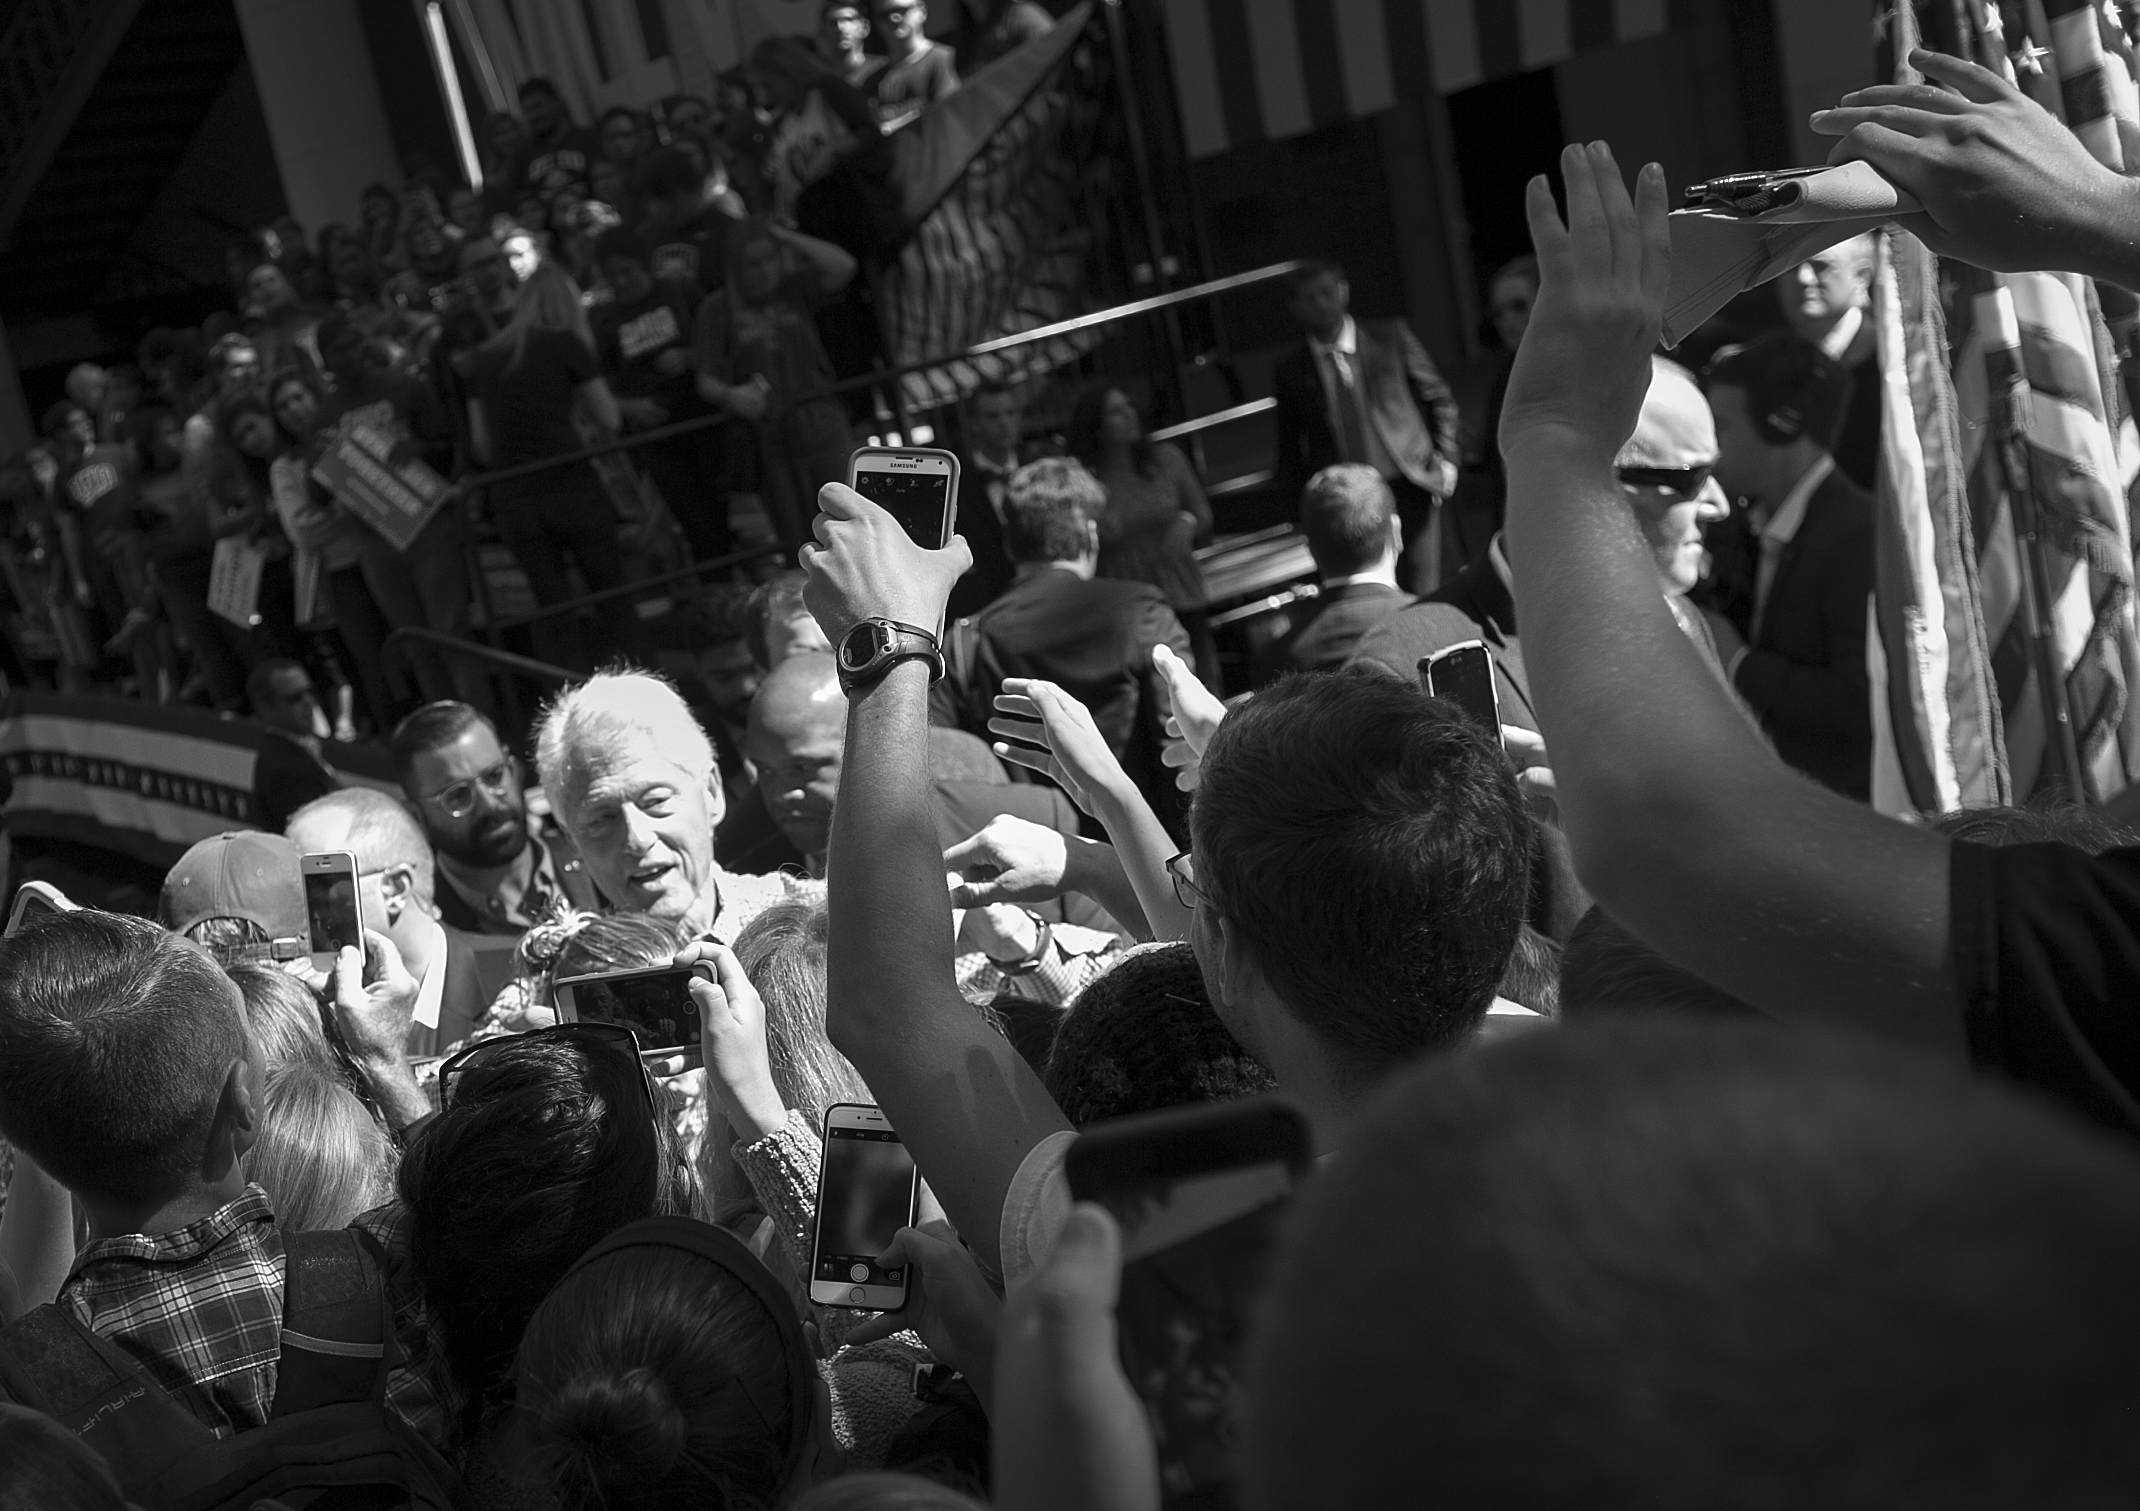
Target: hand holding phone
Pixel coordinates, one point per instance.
(864, 565)
(916, 485)
(865, 1194)
(655, 1003)
(1464, 675)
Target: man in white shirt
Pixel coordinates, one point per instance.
(395, 877)
(1827, 300)
(1795, 570)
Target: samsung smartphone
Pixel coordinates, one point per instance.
(1199, 1192)
(654, 1003)
(865, 1194)
(37, 899)
(331, 904)
(1464, 674)
(916, 485)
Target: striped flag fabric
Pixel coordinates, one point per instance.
(1258, 70)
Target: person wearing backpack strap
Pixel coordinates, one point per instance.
(128, 1074)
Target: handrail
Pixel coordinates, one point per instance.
(400, 640)
(870, 379)
(1213, 420)
(642, 586)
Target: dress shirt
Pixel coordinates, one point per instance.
(1338, 362)
(432, 988)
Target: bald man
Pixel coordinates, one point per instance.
(395, 878)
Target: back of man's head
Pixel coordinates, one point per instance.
(1371, 848)
(1681, 1266)
(378, 829)
(116, 1039)
(1345, 513)
(1048, 508)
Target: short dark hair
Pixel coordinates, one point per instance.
(620, 244)
(2038, 824)
(1143, 1037)
(1605, 969)
(1046, 508)
(115, 1040)
(779, 595)
(666, 171)
(1345, 513)
(1663, 1261)
(432, 727)
(623, 113)
(538, 84)
(1793, 389)
(1371, 846)
(259, 682)
(987, 388)
(1532, 977)
(1310, 269)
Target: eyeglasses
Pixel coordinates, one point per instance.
(459, 800)
(1685, 481)
(604, 1038)
(1183, 871)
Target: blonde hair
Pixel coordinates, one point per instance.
(548, 301)
(321, 1156)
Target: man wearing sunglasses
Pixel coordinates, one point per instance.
(1795, 567)
(1665, 471)
(495, 875)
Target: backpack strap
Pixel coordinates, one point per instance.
(336, 1323)
(51, 1361)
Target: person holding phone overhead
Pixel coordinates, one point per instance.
(758, 353)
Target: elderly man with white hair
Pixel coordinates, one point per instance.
(633, 778)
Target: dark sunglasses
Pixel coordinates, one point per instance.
(605, 1038)
(1687, 481)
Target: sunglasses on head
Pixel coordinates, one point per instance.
(1683, 480)
(605, 1038)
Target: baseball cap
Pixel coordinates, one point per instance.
(247, 874)
(1676, 430)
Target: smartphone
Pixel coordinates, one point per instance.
(1199, 1192)
(37, 899)
(866, 1188)
(654, 1003)
(331, 904)
(916, 485)
(1464, 674)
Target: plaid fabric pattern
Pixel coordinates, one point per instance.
(200, 1309)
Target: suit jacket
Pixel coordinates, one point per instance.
(455, 913)
(461, 1004)
(991, 571)
(286, 776)
(1473, 605)
(1325, 630)
(1407, 402)
(1804, 674)
(1092, 638)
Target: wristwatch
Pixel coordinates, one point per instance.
(873, 646)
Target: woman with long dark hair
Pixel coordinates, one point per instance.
(1156, 515)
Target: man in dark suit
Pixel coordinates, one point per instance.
(1350, 520)
(994, 428)
(1365, 391)
(395, 878)
(1091, 636)
(1795, 568)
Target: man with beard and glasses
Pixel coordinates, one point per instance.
(496, 876)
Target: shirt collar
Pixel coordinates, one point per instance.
(432, 990)
(1347, 581)
(1783, 525)
(180, 1245)
(1348, 340)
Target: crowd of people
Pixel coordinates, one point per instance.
(1681, 1132)
(190, 513)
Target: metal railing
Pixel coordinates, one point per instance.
(1072, 326)
(1215, 419)
(639, 589)
(400, 649)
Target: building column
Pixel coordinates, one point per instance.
(321, 98)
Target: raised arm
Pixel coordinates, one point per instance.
(1683, 824)
(835, 265)
(965, 1103)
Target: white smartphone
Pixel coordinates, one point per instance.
(331, 904)
(1464, 675)
(653, 1002)
(916, 485)
(866, 1188)
(38, 899)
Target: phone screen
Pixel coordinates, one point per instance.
(1465, 676)
(866, 1197)
(1195, 1251)
(331, 905)
(656, 1006)
(916, 499)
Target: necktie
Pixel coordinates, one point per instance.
(1352, 431)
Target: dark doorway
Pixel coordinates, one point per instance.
(1505, 132)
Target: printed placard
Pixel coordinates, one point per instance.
(395, 498)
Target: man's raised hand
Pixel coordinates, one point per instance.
(2004, 185)
(1011, 860)
(863, 565)
(1071, 752)
(1584, 363)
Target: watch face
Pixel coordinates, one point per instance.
(863, 644)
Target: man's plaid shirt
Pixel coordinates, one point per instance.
(200, 1309)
